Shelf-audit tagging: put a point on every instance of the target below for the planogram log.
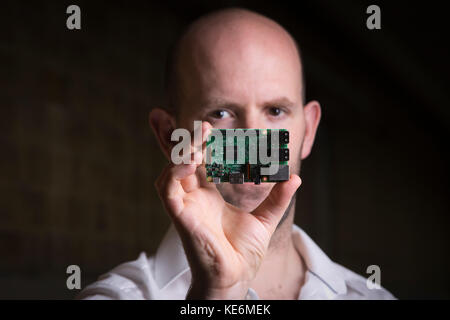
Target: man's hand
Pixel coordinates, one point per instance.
(223, 244)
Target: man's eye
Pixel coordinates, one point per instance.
(274, 111)
(220, 114)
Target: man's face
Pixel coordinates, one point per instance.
(244, 83)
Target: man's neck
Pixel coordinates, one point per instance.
(283, 265)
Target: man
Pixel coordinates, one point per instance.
(233, 69)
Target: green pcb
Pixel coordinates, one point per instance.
(242, 154)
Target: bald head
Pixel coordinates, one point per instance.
(221, 40)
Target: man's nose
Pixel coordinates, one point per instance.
(251, 121)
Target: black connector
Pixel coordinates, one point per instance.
(284, 137)
(284, 154)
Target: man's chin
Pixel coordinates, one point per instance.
(245, 196)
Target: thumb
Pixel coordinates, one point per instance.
(270, 211)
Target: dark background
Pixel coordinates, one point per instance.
(78, 160)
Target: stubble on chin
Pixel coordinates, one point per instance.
(246, 197)
(249, 196)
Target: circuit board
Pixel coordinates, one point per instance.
(243, 153)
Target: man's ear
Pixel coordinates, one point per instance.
(162, 123)
(312, 114)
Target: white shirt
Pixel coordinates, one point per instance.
(166, 275)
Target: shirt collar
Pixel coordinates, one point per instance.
(171, 262)
(318, 263)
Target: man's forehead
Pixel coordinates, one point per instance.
(235, 31)
(228, 52)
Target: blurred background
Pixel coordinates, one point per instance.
(78, 160)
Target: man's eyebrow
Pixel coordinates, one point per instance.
(222, 103)
(280, 101)
(217, 103)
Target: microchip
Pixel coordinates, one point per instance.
(281, 175)
(236, 178)
(257, 147)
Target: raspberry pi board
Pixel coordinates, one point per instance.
(239, 155)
